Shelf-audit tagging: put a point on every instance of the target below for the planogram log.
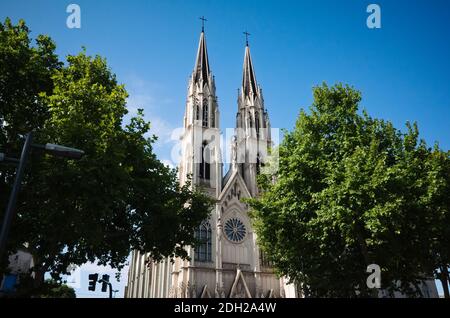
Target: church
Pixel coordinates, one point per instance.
(228, 263)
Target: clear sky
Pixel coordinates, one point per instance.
(402, 69)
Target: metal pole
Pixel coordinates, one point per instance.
(10, 210)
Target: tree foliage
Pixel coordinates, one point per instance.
(118, 197)
(48, 289)
(352, 190)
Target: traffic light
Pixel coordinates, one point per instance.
(105, 281)
(92, 281)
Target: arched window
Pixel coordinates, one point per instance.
(213, 119)
(250, 121)
(203, 250)
(205, 170)
(197, 112)
(257, 124)
(205, 114)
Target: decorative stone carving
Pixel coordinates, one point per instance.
(234, 153)
(172, 292)
(219, 228)
(190, 290)
(219, 291)
(205, 293)
(239, 288)
(282, 293)
(181, 290)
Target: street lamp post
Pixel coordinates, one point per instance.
(53, 149)
(9, 214)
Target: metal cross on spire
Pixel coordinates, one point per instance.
(203, 23)
(246, 37)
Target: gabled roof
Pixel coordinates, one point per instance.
(235, 176)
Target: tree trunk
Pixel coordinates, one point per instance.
(39, 278)
(39, 273)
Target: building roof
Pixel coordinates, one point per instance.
(201, 70)
(249, 84)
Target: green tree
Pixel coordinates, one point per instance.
(350, 191)
(57, 290)
(25, 72)
(117, 198)
(50, 288)
(437, 200)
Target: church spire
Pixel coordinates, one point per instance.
(249, 84)
(201, 70)
(252, 126)
(200, 154)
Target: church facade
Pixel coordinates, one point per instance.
(228, 263)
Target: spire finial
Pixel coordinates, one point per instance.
(203, 22)
(246, 37)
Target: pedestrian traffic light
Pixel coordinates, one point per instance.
(105, 281)
(92, 281)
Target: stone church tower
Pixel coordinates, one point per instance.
(229, 262)
(252, 126)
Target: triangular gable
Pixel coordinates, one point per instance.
(235, 177)
(239, 291)
(205, 293)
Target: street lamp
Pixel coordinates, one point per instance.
(53, 149)
(61, 151)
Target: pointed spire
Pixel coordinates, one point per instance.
(201, 70)
(249, 84)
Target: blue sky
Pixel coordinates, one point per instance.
(402, 69)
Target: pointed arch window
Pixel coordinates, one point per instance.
(205, 167)
(257, 124)
(203, 251)
(213, 119)
(250, 121)
(205, 113)
(197, 112)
